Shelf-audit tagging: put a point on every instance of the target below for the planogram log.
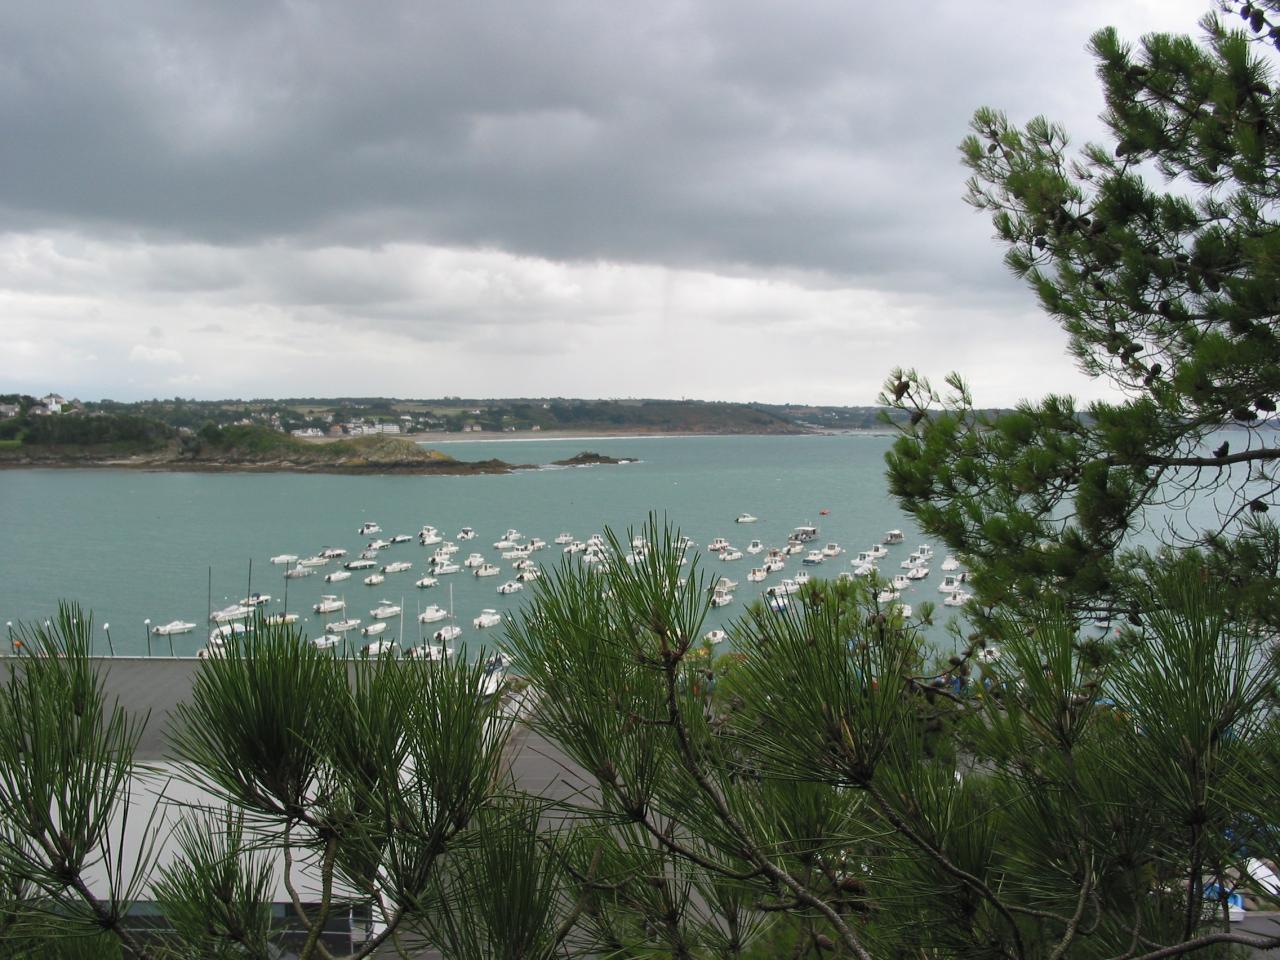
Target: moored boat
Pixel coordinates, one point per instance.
(329, 603)
(173, 627)
(487, 618)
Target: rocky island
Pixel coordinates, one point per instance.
(254, 449)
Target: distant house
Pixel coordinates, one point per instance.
(385, 428)
(335, 430)
(8, 410)
(53, 403)
(471, 428)
(535, 428)
(308, 432)
(40, 410)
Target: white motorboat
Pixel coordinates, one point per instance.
(425, 582)
(782, 589)
(990, 654)
(724, 583)
(949, 584)
(877, 551)
(715, 636)
(429, 535)
(377, 544)
(721, 598)
(325, 641)
(447, 567)
(863, 569)
(284, 558)
(448, 548)
(537, 543)
(803, 577)
(718, 544)
(401, 538)
(337, 576)
(957, 598)
(525, 564)
(474, 560)
(466, 533)
(332, 553)
(441, 555)
(792, 548)
(925, 551)
(298, 572)
(576, 546)
(731, 554)
(564, 537)
(754, 547)
(804, 533)
(373, 579)
(173, 627)
(773, 564)
(236, 611)
(950, 564)
(433, 614)
(398, 567)
(746, 518)
(756, 575)
(494, 675)
(912, 561)
(887, 595)
(315, 561)
(281, 619)
(447, 634)
(381, 648)
(893, 536)
(432, 652)
(373, 629)
(528, 575)
(832, 549)
(368, 529)
(369, 555)
(341, 626)
(364, 563)
(917, 573)
(900, 582)
(777, 603)
(863, 557)
(813, 558)
(902, 609)
(219, 635)
(516, 553)
(487, 570)
(329, 603)
(511, 586)
(487, 618)
(513, 535)
(384, 610)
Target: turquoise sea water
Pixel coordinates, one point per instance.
(130, 545)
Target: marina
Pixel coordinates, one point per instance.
(178, 548)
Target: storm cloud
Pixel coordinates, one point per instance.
(775, 186)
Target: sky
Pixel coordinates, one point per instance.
(714, 199)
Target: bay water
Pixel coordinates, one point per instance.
(131, 546)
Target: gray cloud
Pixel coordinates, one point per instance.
(296, 159)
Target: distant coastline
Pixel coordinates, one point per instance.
(407, 454)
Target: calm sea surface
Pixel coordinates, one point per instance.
(131, 546)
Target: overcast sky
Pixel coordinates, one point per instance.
(721, 199)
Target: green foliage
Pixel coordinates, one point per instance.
(1167, 290)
